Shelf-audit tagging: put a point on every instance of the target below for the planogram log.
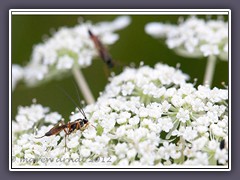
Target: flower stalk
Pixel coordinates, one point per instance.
(210, 69)
(82, 84)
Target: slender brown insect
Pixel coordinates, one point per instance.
(102, 51)
(79, 124)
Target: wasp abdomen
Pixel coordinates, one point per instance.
(55, 130)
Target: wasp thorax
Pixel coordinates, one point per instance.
(81, 123)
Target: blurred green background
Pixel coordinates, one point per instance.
(134, 46)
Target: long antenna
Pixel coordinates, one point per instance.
(79, 100)
(80, 110)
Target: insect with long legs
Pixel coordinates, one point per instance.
(102, 51)
(79, 124)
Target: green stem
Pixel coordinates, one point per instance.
(210, 68)
(212, 160)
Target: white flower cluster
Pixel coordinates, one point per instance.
(194, 37)
(33, 116)
(70, 47)
(17, 75)
(145, 116)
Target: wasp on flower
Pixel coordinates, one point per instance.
(79, 124)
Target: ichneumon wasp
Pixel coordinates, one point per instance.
(79, 124)
(102, 51)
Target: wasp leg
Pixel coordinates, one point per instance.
(89, 124)
(78, 126)
(65, 142)
(93, 126)
(86, 126)
(66, 134)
